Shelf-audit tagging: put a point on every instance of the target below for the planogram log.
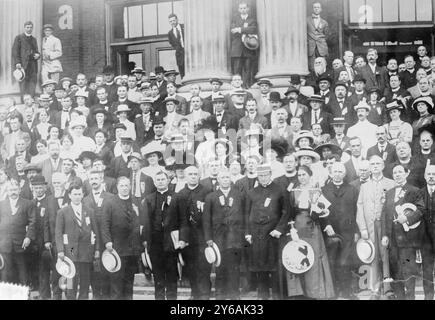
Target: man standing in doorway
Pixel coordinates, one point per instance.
(51, 52)
(176, 39)
(24, 56)
(318, 30)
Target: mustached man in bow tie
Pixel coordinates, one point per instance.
(17, 230)
(77, 238)
(401, 234)
(318, 30)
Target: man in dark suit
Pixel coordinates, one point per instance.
(121, 232)
(141, 184)
(382, 149)
(161, 218)
(144, 122)
(119, 164)
(342, 220)
(17, 230)
(409, 76)
(102, 103)
(95, 200)
(176, 39)
(373, 73)
(77, 238)
(352, 166)
(191, 205)
(317, 32)
(428, 240)
(25, 55)
(400, 234)
(225, 119)
(341, 105)
(242, 58)
(224, 224)
(122, 98)
(317, 115)
(210, 183)
(160, 82)
(82, 83)
(110, 85)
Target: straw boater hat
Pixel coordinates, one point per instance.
(19, 74)
(213, 255)
(365, 250)
(45, 98)
(122, 108)
(309, 152)
(47, 26)
(334, 148)
(362, 105)
(169, 99)
(394, 105)
(34, 167)
(66, 268)
(148, 100)
(146, 260)
(265, 81)
(138, 70)
(216, 80)
(111, 261)
(339, 121)
(316, 97)
(304, 134)
(48, 82)
(172, 71)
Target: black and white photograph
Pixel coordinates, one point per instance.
(234, 151)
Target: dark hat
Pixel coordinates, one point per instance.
(280, 146)
(100, 110)
(158, 120)
(428, 128)
(324, 77)
(292, 89)
(334, 148)
(265, 81)
(275, 96)
(169, 99)
(38, 180)
(316, 97)
(227, 143)
(59, 88)
(159, 69)
(135, 155)
(250, 41)
(210, 123)
(32, 167)
(138, 70)
(216, 80)
(48, 82)
(172, 71)
(239, 92)
(394, 105)
(359, 77)
(126, 138)
(65, 79)
(295, 79)
(47, 26)
(340, 84)
(340, 121)
(108, 69)
(87, 155)
(144, 100)
(374, 89)
(218, 98)
(120, 126)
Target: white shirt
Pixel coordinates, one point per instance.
(430, 189)
(77, 210)
(174, 30)
(83, 143)
(366, 131)
(356, 162)
(293, 107)
(226, 192)
(64, 117)
(315, 113)
(373, 68)
(273, 119)
(13, 203)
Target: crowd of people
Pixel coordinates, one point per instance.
(125, 166)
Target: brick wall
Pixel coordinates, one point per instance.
(84, 45)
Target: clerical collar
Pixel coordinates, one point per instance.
(251, 175)
(264, 186)
(395, 90)
(359, 92)
(410, 70)
(104, 102)
(27, 35)
(163, 192)
(122, 100)
(99, 190)
(41, 198)
(109, 83)
(123, 197)
(193, 188)
(337, 184)
(291, 175)
(401, 185)
(425, 152)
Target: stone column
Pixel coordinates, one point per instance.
(207, 34)
(282, 26)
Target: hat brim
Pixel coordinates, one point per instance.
(111, 255)
(2, 262)
(334, 148)
(218, 255)
(72, 269)
(414, 105)
(360, 247)
(308, 153)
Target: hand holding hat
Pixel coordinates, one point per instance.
(109, 246)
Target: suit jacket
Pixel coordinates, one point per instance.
(176, 44)
(109, 186)
(246, 122)
(389, 155)
(173, 219)
(376, 79)
(249, 26)
(224, 219)
(317, 37)
(51, 52)
(228, 121)
(119, 168)
(345, 143)
(43, 209)
(325, 120)
(399, 237)
(343, 208)
(142, 134)
(23, 49)
(15, 228)
(112, 92)
(351, 173)
(78, 243)
(121, 226)
(428, 217)
(246, 184)
(348, 111)
(146, 184)
(48, 170)
(51, 208)
(89, 201)
(408, 79)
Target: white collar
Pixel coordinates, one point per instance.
(77, 208)
(123, 198)
(162, 192)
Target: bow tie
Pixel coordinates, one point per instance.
(315, 16)
(219, 115)
(97, 193)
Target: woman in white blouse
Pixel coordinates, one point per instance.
(397, 129)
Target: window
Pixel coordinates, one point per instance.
(143, 20)
(372, 12)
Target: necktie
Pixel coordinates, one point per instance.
(341, 104)
(133, 189)
(179, 36)
(78, 217)
(431, 189)
(316, 119)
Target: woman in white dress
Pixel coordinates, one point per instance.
(397, 129)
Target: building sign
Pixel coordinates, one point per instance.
(369, 13)
(66, 17)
